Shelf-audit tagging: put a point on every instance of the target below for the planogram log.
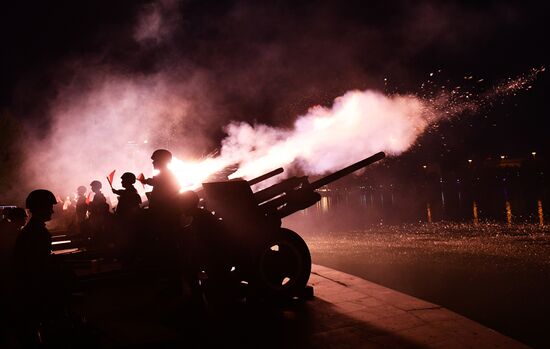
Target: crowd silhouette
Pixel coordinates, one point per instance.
(169, 249)
(38, 284)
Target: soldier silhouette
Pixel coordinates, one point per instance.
(128, 198)
(127, 218)
(165, 184)
(81, 205)
(96, 205)
(160, 232)
(33, 264)
(34, 243)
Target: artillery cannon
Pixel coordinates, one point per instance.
(253, 247)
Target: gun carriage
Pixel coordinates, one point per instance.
(250, 245)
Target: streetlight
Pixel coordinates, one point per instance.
(534, 153)
(470, 161)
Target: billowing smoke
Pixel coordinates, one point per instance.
(357, 125)
(115, 122)
(119, 121)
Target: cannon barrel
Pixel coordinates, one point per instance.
(296, 193)
(265, 176)
(347, 170)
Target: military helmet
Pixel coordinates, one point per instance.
(161, 155)
(96, 184)
(128, 176)
(40, 198)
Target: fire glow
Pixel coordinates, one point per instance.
(358, 124)
(192, 174)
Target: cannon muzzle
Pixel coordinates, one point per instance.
(297, 193)
(347, 170)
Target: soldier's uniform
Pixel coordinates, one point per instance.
(33, 249)
(81, 205)
(128, 201)
(165, 189)
(97, 206)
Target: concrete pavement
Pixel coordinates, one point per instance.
(350, 312)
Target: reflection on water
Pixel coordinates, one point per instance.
(465, 263)
(372, 207)
(508, 213)
(324, 204)
(540, 212)
(474, 210)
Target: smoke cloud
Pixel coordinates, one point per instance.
(115, 122)
(359, 124)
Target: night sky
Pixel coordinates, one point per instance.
(271, 61)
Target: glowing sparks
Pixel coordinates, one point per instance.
(473, 95)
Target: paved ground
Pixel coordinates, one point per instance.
(351, 312)
(346, 312)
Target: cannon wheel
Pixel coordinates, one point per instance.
(284, 265)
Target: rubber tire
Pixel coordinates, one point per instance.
(291, 261)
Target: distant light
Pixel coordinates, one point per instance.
(424, 166)
(145, 141)
(534, 153)
(470, 161)
(502, 156)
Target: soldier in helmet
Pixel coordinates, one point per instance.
(32, 256)
(40, 285)
(34, 243)
(165, 184)
(128, 198)
(81, 205)
(159, 234)
(97, 204)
